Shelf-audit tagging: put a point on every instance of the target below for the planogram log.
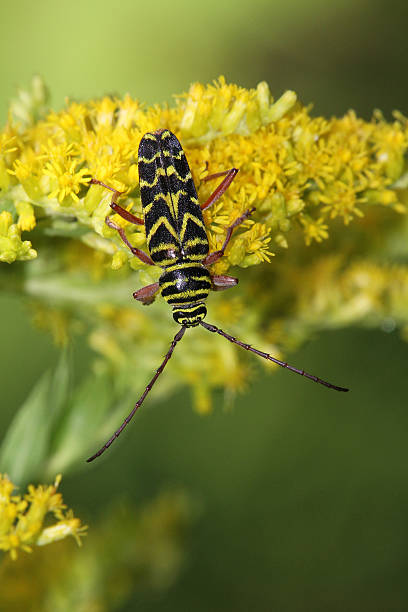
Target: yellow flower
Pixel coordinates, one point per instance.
(307, 178)
(26, 218)
(12, 248)
(68, 526)
(298, 171)
(22, 519)
(315, 229)
(67, 179)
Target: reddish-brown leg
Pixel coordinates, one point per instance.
(221, 282)
(147, 294)
(222, 187)
(125, 214)
(213, 257)
(136, 252)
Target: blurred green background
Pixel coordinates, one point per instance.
(303, 493)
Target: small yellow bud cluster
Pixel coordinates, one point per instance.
(22, 518)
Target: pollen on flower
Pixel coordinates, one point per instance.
(314, 229)
(298, 171)
(22, 170)
(251, 247)
(216, 221)
(310, 179)
(22, 518)
(66, 179)
(340, 199)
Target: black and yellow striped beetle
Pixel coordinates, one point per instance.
(178, 243)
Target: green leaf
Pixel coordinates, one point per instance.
(52, 431)
(25, 447)
(59, 389)
(8, 204)
(83, 416)
(26, 442)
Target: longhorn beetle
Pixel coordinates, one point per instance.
(178, 243)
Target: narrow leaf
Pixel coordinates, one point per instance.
(26, 442)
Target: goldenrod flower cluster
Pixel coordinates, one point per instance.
(128, 550)
(299, 171)
(330, 198)
(24, 520)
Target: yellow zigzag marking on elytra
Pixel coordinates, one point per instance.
(172, 170)
(195, 220)
(174, 199)
(161, 152)
(147, 160)
(157, 197)
(168, 153)
(162, 221)
(193, 241)
(149, 136)
(170, 246)
(159, 172)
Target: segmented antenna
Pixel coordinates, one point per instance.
(283, 364)
(140, 401)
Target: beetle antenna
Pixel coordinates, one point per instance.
(140, 401)
(248, 347)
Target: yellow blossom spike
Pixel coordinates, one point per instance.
(341, 180)
(297, 170)
(22, 518)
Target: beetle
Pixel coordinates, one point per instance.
(177, 242)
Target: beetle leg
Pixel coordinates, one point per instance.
(136, 252)
(222, 187)
(216, 255)
(125, 214)
(221, 282)
(147, 294)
